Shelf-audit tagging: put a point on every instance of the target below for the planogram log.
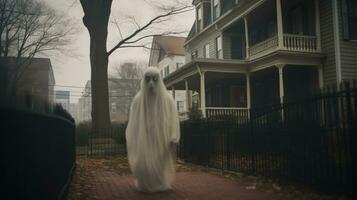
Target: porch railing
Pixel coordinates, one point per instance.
(235, 114)
(300, 43)
(263, 46)
(292, 42)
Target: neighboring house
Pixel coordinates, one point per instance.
(121, 94)
(73, 110)
(251, 53)
(63, 98)
(36, 79)
(168, 55)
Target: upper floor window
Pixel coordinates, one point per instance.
(167, 70)
(206, 51)
(178, 65)
(114, 94)
(180, 106)
(199, 18)
(349, 12)
(227, 5)
(114, 107)
(219, 52)
(216, 9)
(194, 54)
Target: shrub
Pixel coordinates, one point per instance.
(194, 114)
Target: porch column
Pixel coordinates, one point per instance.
(279, 17)
(321, 77)
(173, 92)
(317, 26)
(188, 97)
(281, 82)
(203, 94)
(248, 90)
(246, 37)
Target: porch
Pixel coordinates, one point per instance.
(292, 26)
(233, 87)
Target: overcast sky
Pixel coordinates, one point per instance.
(75, 70)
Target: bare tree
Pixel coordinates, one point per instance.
(96, 19)
(131, 73)
(29, 28)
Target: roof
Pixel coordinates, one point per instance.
(32, 64)
(172, 45)
(192, 32)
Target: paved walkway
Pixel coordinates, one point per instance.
(187, 186)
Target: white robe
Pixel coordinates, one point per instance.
(152, 134)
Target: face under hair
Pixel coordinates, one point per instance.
(151, 80)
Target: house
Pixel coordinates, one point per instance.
(168, 55)
(34, 77)
(121, 94)
(250, 53)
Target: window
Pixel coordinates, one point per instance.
(178, 65)
(167, 71)
(219, 52)
(114, 94)
(194, 54)
(349, 13)
(216, 9)
(114, 107)
(161, 73)
(199, 18)
(180, 106)
(206, 51)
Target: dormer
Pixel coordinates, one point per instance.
(203, 13)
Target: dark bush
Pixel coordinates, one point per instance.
(60, 111)
(194, 114)
(82, 133)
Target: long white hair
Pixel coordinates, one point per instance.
(153, 126)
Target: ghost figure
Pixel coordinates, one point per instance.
(152, 134)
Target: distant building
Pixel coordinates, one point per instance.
(121, 94)
(63, 98)
(73, 110)
(168, 55)
(35, 78)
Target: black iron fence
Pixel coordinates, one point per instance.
(104, 142)
(309, 141)
(37, 154)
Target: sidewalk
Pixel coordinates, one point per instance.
(110, 179)
(188, 185)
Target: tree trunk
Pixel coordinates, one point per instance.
(99, 83)
(96, 18)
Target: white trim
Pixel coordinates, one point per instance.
(317, 25)
(203, 94)
(279, 18)
(226, 108)
(248, 90)
(246, 32)
(337, 42)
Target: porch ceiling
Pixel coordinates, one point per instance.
(223, 68)
(286, 57)
(191, 71)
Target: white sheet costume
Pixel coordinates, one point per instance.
(152, 134)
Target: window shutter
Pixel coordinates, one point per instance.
(345, 23)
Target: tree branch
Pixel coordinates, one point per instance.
(171, 12)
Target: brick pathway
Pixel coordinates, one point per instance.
(187, 186)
